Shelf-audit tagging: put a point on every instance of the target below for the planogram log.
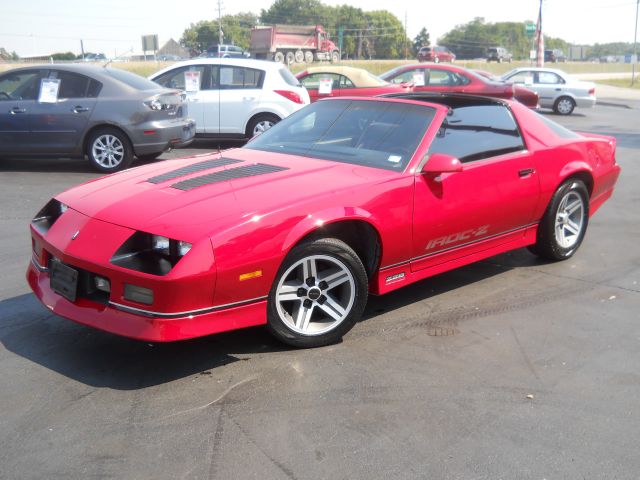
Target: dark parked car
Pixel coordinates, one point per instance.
(554, 56)
(499, 54)
(108, 114)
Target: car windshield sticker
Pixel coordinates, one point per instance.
(324, 87)
(394, 158)
(49, 88)
(226, 76)
(418, 79)
(192, 81)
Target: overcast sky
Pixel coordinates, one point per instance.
(114, 26)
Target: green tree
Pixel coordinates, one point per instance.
(420, 40)
(298, 12)
(64, 56)
(236, 30)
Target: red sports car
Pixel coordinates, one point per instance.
(453, 79)
(330, 81)
(344, 198)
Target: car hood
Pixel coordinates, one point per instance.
(196, 197)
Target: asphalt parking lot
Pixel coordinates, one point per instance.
(510, 368)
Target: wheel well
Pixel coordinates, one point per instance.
(585, 177)
(359, 235)
(98, 127)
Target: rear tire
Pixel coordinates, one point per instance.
(260, 124)
(290, 58)
(278, 57)
(308, 56)
(109, 150)
(299, 56)
(564, 223)
(436, 60)
(564, 106)
(318, 294)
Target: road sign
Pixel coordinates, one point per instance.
(530, 29)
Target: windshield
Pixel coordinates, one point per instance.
(131, 79)
(361, 132)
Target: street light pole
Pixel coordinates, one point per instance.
(635, 45)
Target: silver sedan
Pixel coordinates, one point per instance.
(557, 90)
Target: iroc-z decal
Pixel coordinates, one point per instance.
(458, 236)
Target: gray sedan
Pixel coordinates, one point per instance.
(107, 114)
(557, 90)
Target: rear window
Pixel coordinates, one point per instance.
(131, 79)
(288, 77)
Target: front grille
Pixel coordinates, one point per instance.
(230, 174)
(193, 168)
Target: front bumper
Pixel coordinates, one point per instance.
(161, 136)
(143, 324)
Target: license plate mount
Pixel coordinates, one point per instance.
(63, 280)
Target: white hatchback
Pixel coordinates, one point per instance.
(234, 98)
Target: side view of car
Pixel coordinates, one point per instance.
(234, 98)
(330, 81)
(107, 114)
(224, 51)
(498, 54)
(346, 197)
(428, 77)
(435, 54)
(557, 90)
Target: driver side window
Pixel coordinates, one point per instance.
(19, 86)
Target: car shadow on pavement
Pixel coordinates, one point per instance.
(101, 359)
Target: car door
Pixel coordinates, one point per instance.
(18, 94)
(59, 126)
(549, 87)
(491, 201)
(201, 96)
(240, 93)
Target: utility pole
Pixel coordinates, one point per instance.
(635, 47)
(220, 34)
(406, 46)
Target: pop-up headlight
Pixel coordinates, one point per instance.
(46, 217)
(147, 253)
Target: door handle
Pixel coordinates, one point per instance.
(79, 109)
(525, 172)
(558, 89)
(15, 110)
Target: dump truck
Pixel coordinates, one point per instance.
(292, 44)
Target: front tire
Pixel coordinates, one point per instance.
(564, 223)
(109, 150)
(318, 294)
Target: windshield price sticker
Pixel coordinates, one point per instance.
(192, 81)
(324, 87)
(418, 79)
(49, 88)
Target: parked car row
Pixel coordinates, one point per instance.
(112, 116)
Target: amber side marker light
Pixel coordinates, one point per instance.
(250, 275)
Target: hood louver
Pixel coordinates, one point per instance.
(229, 174)
(196, 167)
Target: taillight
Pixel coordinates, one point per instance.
(592, 91)
(288, 94)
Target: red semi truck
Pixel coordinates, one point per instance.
(292, 44)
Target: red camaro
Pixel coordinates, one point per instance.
(344, 198)
(330, 81)
(431, 77)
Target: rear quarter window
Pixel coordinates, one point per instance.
(131, 79)
(288, 77)
(477, 132)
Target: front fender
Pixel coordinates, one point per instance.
(316, 221)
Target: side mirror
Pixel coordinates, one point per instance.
(438, 163)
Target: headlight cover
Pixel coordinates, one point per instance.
(48, 215)
(148, 253)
